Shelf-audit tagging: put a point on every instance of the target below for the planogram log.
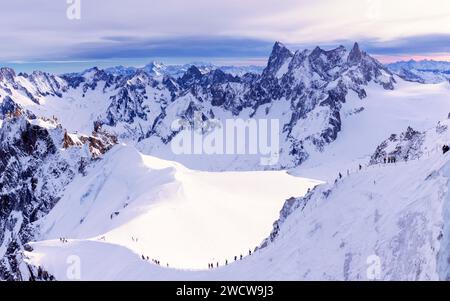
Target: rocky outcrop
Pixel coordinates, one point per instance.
(143, 102)
(36, 163)
(403, 147)
(311, 81)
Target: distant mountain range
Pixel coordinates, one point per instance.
(425, 71)
(86, 162)
(159, 69)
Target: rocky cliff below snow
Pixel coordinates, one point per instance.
(37, 162)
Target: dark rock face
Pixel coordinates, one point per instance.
(355, 56)
(309, 80)
(289, 207)
(280, 55)
(27, 152)
(8, 107)
(90, 79)
(144, 102)
(126, 105)
(192, 77)
(403, 147)
(33, 174)
(7, 75)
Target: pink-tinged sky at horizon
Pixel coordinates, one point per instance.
(387, 59)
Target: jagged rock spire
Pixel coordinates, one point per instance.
(355, 54)
(278, 56)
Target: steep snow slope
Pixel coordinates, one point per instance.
(333, 235)
(335, 108)
(178, 216)
(386, 221)
(365, 123)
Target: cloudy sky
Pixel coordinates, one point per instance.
(39, 33)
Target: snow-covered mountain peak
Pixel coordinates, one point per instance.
(141, 105)
(191, 76)
(278, 61)
(355, 55)
(337, 109)
(155, 68)
(7, 74)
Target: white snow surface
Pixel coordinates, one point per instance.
(163, 210)
(131, 204)
(370, 213)
(385, 112)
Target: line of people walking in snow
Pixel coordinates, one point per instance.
(236, 258)
(155, 261)
(390, 160)
(340, 176)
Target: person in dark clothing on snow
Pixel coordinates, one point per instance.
(340, 176)
(360, 167)
(445, 149)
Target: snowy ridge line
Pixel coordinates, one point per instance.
(320, 194)
(128, 197)
(428, 151)
(334, 106)
(305, 87)
(306, 235)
